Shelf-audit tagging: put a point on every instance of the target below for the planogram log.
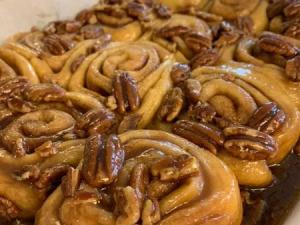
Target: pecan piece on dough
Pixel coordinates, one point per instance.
(125, 90)
(138, 10)
(98, 121)
(128, 206)
(202, 112)
(92, 31)
(197, 41)
(292, 30)
(49, 175)
(151, 212)
(292, 10)
(292, 69)
(180, 73)
(192, 90)
(139, 180)
(102, 160)
(268, 118)
(202, 134)
(45, 93)
(171, 105)
(129, 122)
(163, 11)
(248, 143)
(13, 87)
(8, 210)
(245, 24)
(170, 32)
(57, 45)
(70, 182)
(275, 44)
(175, 168)
(207, 57)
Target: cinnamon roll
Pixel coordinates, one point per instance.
(130, 78)
(228, 9)
(199, 38)
(42, 134)
(13, 64)
(245, 104)
(144, 176)
(278, 55)
(51, 58)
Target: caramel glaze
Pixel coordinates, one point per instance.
(274, 204)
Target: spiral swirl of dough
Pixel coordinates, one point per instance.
(211, 197)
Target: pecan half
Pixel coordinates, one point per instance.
(163, 11)
(276, 8)
(77, 62)
(12, 87)
(6, 116)
(84, 16)
(207, 57)
(17, 104)
(202, 134)
(151, 212)
(292, 69)
(30, 173)
(275, 44)
(180, 73)
(98, 121)
(102, 42)
(268, 118)
(63, 27)
(139, 180)
(113, 16)
(292, 10)
(197, 41)
(92, 31)
(227, 38)
(126, 93)
(50, 175)
(171, 105)
(138, 10)
(293, 30)
(245, 24)
(47, 149)
(247, 143)
(127, 206)
(57, 45)
(169, 32)
(192, 90)
(175, 168)
(70, 182)
(157, 189)
(202, 112)
(45, 93)
(8, 210)
(102, 160)
(129, 122)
